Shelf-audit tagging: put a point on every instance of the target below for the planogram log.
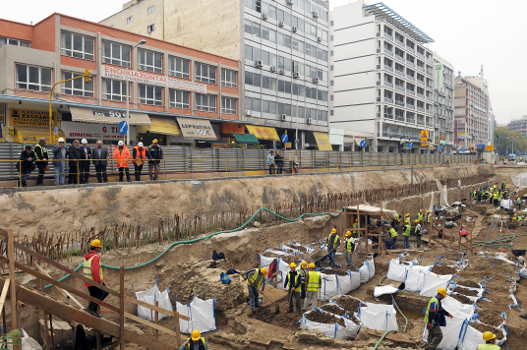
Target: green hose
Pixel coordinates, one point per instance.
(202, 238)
(384, 335)
(393, 299)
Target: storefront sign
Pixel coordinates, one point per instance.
(28, 117)
(161, 125)
(2, 115)
(152, 79)
(197, 129)
(74, 130)
(107, 116)
(439, 75)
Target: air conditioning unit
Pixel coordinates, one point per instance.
(264, 16)
(294, 29)
(272, 69)
(315, 14)
(309, 120)
(258, 63)
(282, 117)
(282, 71)
(315, 80)
(296, 75)
(289, 2)
(281, 24)
(248, 113)
(319, 39)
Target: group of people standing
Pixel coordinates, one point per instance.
(80, 157)
(422, 221)
(276, 162)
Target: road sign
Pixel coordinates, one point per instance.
(424, 143)
(424, 134)
(363, 144)
(123, 127)
(410, 145)
(441, 148)
(506, 152)
(56, 131)
(462, 150)
(284, 138)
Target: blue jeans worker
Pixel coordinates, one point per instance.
(59, 155)
(393, 237)
(435, 319)
(255, 280)
(333, 243)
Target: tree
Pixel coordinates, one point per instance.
(505, 139)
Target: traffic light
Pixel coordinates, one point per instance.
(497, 136)
(87, 75)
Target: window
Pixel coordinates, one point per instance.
(322, 95)
(179, 99)
(205, 103)
(269, 34)
(16, 42)
(269, 9)
(252, 28)
(179, 67)
(229, 78)
(228, 105)
(150, 10)
(77, 87)
(77, 45)
(113, 89)
(255, 5)
(150, 28)
(33, 78)
(116, 54)
(269, 83)
(150, 61)
(269, 107)
(151, 95)
(129, 20)
(206, 73)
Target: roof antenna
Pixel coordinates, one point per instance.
(481, 73)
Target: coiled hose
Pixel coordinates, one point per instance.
(202, 238)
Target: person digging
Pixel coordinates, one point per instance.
(435, 319)
(293, 279)
(255, 279)
(195, 342)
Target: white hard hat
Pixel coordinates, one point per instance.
(121, 143)
(84, 141)
(140, 144)
(61, 140)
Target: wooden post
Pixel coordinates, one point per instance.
(178, 338)
(358, 227)
(51, 331)
(121, 307)
(156, 332)
(12, 295)
(44, 317)
(98, 337)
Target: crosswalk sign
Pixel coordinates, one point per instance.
(424, 134)
(424, 143)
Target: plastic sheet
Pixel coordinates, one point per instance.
(149, 296)
(433, 282)
(28, 343)
(519, 180)
(201, 314)
(378, 291)
(397, 271)
(415, 278)
(332, 330)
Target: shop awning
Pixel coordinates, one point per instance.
(322, 141)
(31, 135)
(248, 139)
(107, 116)
(160, 125)
(263, 132)
(196, 129)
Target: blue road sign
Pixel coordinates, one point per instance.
(123, 127)
(284, 138)
(363, 144)
(441, 148)
(410, 144)
(506, 152)
(462, 150)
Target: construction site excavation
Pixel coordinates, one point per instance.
(413, 258)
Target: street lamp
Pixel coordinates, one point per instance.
(142, 42)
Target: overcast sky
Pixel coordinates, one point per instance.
(467, 33)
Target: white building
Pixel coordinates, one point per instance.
(443, 104)
(381, 76)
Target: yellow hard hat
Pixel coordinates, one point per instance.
(442, 291)
(515, 214)
(154, 141)
(304, 264)
(488, 336)
(334, 230)
(292, 265)
(96, 243)
(406, 221)
(312, 265)
(407, 214)
(195, 335)
(421, 210)
(348, 233)
(428, 211)
(416, 221)
(263, 270)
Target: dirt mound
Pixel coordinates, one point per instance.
(334, 309)
(349, 304)
(324, 317)
(468, 283)
(443, 270)
(462, 299)
(488, 267)
(492, 318)
(276, 316)
(467, 292)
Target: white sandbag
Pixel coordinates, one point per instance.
(328, 288)
(396, 271)
(378, 291)
(351, 328)
(377, 316)
(332, 330)
(149, 296)
(201, 314)
(470, 337)
(415, 278)
(354, 280)
(366, 271)
(371, 266)
(265, 261)
(433, 282)
(343, 284)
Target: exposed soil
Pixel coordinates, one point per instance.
(487, 267)
(349, 304)
(468, 283)
(482, 328)
(467, 292)
(324, 317)
(443, 270)
(277, 316)
(334, 309)
(462, 299)
(492, 318)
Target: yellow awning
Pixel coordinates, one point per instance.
(160, 125)
(322, 141)
(31, 135)
(263, 132)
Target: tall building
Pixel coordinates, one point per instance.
(381, 76)
(282, 46)
(472, 112)
(443, 104)
(519, 125)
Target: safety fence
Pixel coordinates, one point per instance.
(187, 162)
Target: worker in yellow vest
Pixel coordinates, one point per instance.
(195, 342)
(293, 279)
(255, 279)
(490, 342)
(92, 269)
(312, 287)
(428, 219)
(407, 229)
(348, 251)
(393, 237)
(435, 319)
(420, 215)
(333, 244)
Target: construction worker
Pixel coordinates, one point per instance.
(195, 342)
(293, 280)
(407, 216)
(406, 234)
(495, 197)
(255, 279)
(355, 225)
(122, 157)
(518, 202)
(393, 237)
(420, 215)
(503, 186)
(516, 218)
(42, 160)
(303, 273)
(312, 287)
(397, 221)
(333, 243)
(349, 247)
(490, 342)
(428, 220)
(435, 319)
(139, 158)
(92, 269)
(500, 197)
(418, 233)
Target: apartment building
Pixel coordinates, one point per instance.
(176, 94)
(443, 105)
(519, 125)
(471, 112)
(381, 77)
(282, 46)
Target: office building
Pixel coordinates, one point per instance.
(443, 105)
(519, 125)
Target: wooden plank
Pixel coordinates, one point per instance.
(156, 317)
(12, 294)
(62, 291)
(150, 324)
(44, 314)
(437, 241)
(153, 307)
(3, 296)
(114, 345)
(121, 307)
(177, 316)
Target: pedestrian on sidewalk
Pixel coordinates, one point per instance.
(100, 161)
(279, 161)
(294, 280)
(312, 287)
(155, 155)
(270, 162)
(348, 252)
(435, 319)
(333, 243)
(92, 269)
(255, 279)
(27, 165)
(85, 162)
(59, 155)
(74, 154)
(195, 342)
(42, 160)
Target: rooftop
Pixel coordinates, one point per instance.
(380, 10)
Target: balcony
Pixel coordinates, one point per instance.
(409, 48)
(399, 87)
(399, 58)
(387, 83)
(388, 99)
(388, 116)
(410, 77)
(399, 42)
(399, 118)
(422, 69)
(410, 106)
(399, 103)
(388, 68)
(389, 36)
(420, 109)
(420, 122)
(388, 52)
(410, 92)
(399, 72)
(410, 63)
(410, 120)
(422, 55)
(420, 82)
